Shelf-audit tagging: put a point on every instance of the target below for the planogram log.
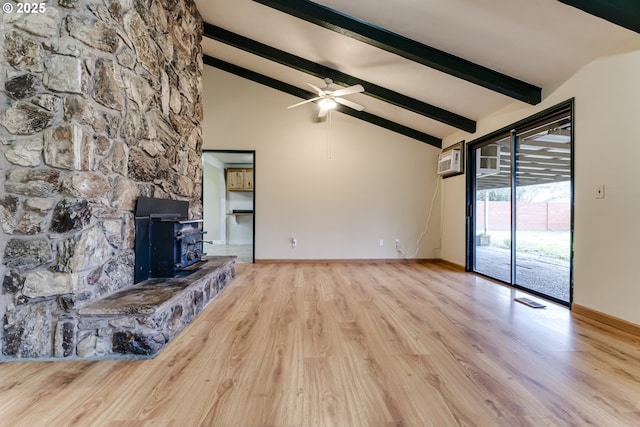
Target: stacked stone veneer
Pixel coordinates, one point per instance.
(100, 103)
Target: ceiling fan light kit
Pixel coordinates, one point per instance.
(329, 98)
(327, 104)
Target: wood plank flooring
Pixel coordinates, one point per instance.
(350, 345)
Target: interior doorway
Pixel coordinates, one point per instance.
(228, 202)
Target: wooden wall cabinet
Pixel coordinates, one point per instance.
(239, 179)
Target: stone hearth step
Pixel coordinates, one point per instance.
(139, 321)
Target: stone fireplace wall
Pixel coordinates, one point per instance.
(100, 104)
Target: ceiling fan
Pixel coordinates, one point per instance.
(329, 97)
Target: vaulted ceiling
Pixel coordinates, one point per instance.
(429, 68)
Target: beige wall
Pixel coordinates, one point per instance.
(607, 151)
(337, 190)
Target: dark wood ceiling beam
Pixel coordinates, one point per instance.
(407, 48)
(625, 13)
(322, 71)
(301, 93)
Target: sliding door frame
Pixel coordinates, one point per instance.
(512, 131)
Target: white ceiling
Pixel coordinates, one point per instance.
(542, 42)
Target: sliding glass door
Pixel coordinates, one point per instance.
(493, 209)
(543, 208)
(521, 205)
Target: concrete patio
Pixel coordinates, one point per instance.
(549, 276)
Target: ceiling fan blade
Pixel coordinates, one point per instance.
(304, 102)
(349, 104)
(317, 89)
(322, 113)
(348, 90)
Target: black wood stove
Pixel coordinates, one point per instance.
(168, 244)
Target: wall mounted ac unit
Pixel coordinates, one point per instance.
(449, 162)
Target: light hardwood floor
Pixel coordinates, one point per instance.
(350, 345)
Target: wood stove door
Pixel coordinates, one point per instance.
(143, 253)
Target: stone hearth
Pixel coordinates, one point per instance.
(141, 320)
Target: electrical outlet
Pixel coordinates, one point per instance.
(294, 242)
(397, 244)
(600, 191)
(381, 242)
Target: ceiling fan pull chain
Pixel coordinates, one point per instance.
(329, 147)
